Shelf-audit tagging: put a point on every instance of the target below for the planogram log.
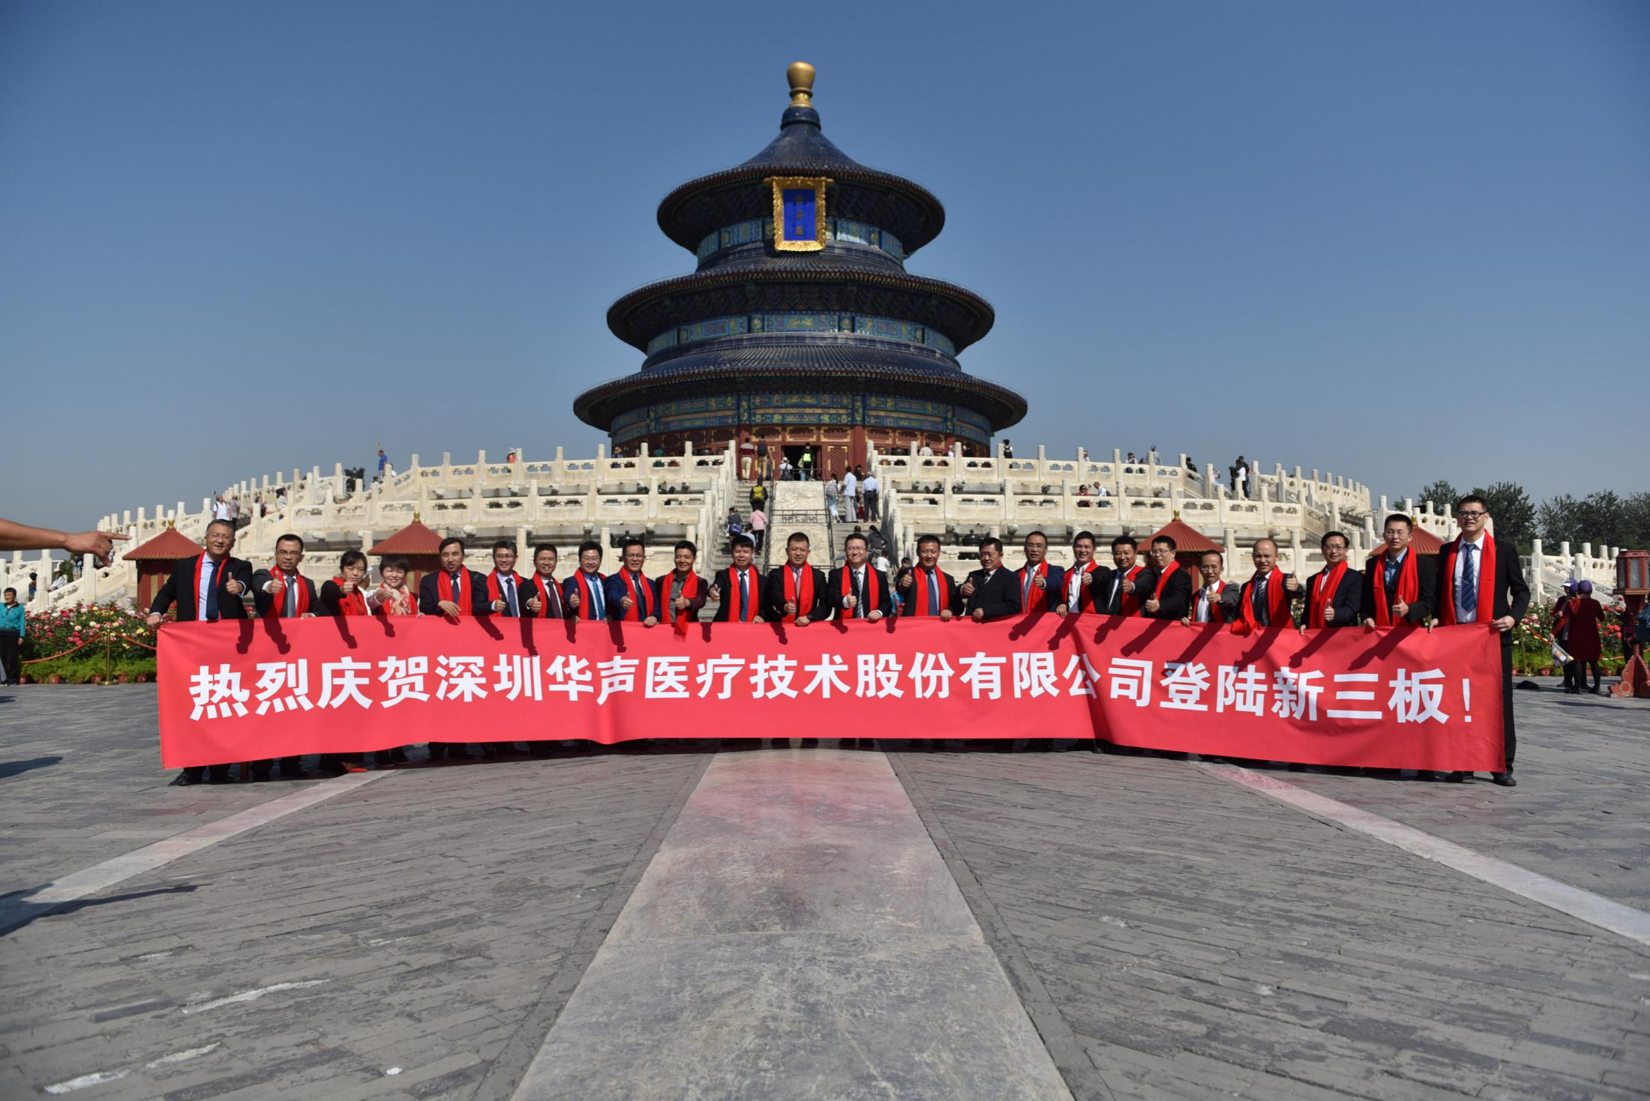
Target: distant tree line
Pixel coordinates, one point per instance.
(1604, 518)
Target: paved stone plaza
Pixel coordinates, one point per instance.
(695, 920)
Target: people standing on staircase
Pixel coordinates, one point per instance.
(758, 526)
(872, 489)
(833, 498)
(850, 493)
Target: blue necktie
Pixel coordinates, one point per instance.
(510, 595)
(744, 597)
(934, 593)
(641, 593)
(212, 591)
(599, 612)
(1466, 604)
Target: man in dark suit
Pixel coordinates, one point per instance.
(454, 590)
(1334, 594)
(1121, 594)
(1400, 586)
(1166, 587)
(682, 593)
(737, 590)
(1039, 581)
(1264, 601)
(631, 597)
(992, 591)
(281, 592)
(205, 589)
(795, 592)
(1482, 581)
(857, 589)
(586, 590)
(543, 591)
(1087, 582)
(925, 589)
(505, 587)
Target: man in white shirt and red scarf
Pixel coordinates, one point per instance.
(1481, 581)
(452, 591)
(1400, 586)
(206, 589)
(1168, 588)
(928, 591)
(857, 589)
(1215, 600)
(1334, 595)
(505, 587)
(1086, 582)
(1041, 584)
(544, 596)
(682, 592)
(1264, 603)
(1122, 595)
(795, 591)
(281, 592)
(586, 590)
(737, 590)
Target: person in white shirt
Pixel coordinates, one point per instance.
(850, 494)
(872, 489)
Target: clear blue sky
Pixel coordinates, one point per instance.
(1401, 241)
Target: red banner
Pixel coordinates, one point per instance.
(1390, 698)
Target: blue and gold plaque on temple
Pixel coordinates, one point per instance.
(798, 212)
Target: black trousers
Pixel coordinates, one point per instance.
(1510, 736)
(8, 655)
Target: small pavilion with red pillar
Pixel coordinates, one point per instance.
(155, 559)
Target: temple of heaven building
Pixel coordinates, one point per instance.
(800, 325)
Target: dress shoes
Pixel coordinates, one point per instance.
(189, 777)
(1504, 779)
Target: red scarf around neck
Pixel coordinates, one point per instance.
(1072, 583)
(737, 612)
(873, 594)
(401, 602)
(1323, 594)
(919, 603)
(295, 582)
(495, 588)
(1486, 588)
(444, 586)
(803, 600)
(1163, 578)
(1217, 610)
(641, 598)
(587, 603)
(1032, 598)
(220, 577)
(1130, 602)
(354, 603)
(549, 594)
(1409, 585)
(680, 617)
(1277, 604)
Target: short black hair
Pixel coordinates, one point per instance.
(631, 541)
(992, 541)
(589, 545)
(542, 547)
(798, 537)
(687, 545)
(393, 562)
(287, 538)
(10, 590)
(449, 541)
(505, 544)
(1472, 499)
(1216, 553)
(1124, 541)
(1082, 535)
(744, 541)
(855, 537)
(1408, 523)
(352, 558)
(1166, 540)
(934, 539)
(230, 524)
(1328, 535)
(1044, 537)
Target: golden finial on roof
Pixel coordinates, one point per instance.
(415, 516)
(802, 83)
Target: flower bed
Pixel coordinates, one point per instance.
(89, 641)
